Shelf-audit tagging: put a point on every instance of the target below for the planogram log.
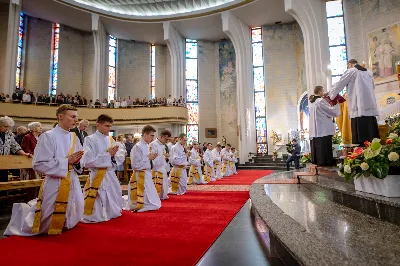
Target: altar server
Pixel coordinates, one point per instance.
(195, 160)
(234, 160)
(102, 192)
(208, 164)
(226, 157)
(142, 194)
(60, 202)
(159, 171)
(362, 102)
(217, 161)
(179, 162)
(322, 128)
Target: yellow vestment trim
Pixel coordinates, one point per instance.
(137, 189)
(193, 174)
(232, 164)
(207, 173)
(158, 180)
(344, 123)
(61, 204)
(176, 173)
(224, 165)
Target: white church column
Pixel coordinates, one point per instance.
(311, 16)
(176, 46)
(239, 33)
(11, 50)
(100, 88)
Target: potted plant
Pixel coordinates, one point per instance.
(336, 140)
(306, 159)
(274, 155)
(371, 167)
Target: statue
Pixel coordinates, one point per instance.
(223, 141)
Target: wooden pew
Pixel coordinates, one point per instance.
(127, 169)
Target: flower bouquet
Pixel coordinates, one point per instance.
(306, 158)
(336, 139)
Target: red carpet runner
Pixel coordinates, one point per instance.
(177, 234)
(245, 177)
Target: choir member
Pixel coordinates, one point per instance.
(195, 174)
(217, 162)
(179, 162)
(208, 164)
(226, 157)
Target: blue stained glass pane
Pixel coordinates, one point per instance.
(112, 41)
(191, 50)
(261, 126)
(334, 8)
(256, 35)
(193, 113)
(19, 57)
(20, 39)
(257, 54)
(336, 31)
(259, 103)
(258, 78)
(111, 56)
(17, 77)
(262, 148)
(191, 91)
(192, 133)
(338, 57)
(191, 68)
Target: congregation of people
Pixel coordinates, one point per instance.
(161, 165)
(28, 97)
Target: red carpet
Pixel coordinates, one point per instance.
(245, 177)
(177, 234)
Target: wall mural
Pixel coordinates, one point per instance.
(304, 113)
(228, 102)
(300, 59)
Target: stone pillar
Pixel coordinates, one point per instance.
(176, 47)
(177, 129)
(100, 84)
(239, 33)
(311, 16)
(12, 45)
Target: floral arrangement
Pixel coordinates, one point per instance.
(374, 159)
(275, 137)
(336, 139)
(289, 148)
(306, 158)
(274, 155)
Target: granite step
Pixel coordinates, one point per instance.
(315, 230)
(263, 167)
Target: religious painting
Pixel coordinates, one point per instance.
(384, 52)
(304, 113)
(211, 133)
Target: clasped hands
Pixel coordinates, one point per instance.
(152, 156)
(113, 150)
(75, 157)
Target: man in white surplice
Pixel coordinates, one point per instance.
(234, 160)
(217, 161)
(57, 155)
(103, 195)
(140, 160)
(159, 171)
(226, 157)
(179, 162)
(208, 164)
(195, 165)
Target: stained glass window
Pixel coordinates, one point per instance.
(56, 47)
(337, 39)
(259, 91)
(20, 47)
(112, 62)
(192, 93)
(153, 71)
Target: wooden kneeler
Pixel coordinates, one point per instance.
(313, 172)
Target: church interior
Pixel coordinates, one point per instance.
(204, 132)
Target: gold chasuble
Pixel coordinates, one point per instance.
(176, 173)
(61, 204)
(137, 189)
(91, 190)
(344, 123)
(157, 180)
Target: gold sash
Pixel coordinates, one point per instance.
(158, 180)
(215, 167)
(224, 165)
(232, 164)
(176, 173)
(193, 174)
(91, 190)
(61, 204)
(137, 189)
(207, 173)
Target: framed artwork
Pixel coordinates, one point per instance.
(384, 52)
(211, 133)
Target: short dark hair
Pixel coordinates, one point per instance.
(104, 118)
(218, 145)
(317, 89)
(165, 133)
(294, 140)
(65, 107)
(148, 129)
(182, 135)
(229, 145)
(353, 61)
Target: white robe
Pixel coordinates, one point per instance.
(360, 92)
(209, 164)
(51, 159)
(195, 160)
(160, 165)
(108, 203)
(217, 158)
(226, 156)
(234, 159)
(179, 158)
(140, 161)
(321, 114)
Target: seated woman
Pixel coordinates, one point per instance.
(105, 103)
(322, 128)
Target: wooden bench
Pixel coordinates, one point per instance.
(127, 169)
